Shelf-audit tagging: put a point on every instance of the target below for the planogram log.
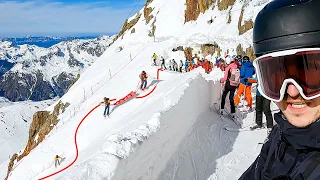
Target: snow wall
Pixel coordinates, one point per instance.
(185, 146)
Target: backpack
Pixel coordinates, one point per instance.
(234, 76)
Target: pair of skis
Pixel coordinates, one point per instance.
(241, 129)
(247, 128)
(234, 119)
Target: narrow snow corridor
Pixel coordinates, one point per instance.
(188, 143)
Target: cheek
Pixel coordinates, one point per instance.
(281, 105)
(317, 105)
(317, 101)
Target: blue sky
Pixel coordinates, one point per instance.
(64, 17)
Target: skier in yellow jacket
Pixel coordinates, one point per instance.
(57, 160)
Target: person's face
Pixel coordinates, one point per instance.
(298, 111)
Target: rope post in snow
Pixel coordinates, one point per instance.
(84, 94)
(110, 73)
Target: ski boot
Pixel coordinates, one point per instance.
(256, 127)
(221, 112)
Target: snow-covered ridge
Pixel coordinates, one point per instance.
(42, 41)
(152, 160)
(32, 68)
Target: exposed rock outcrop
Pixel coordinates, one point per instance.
(147, 11)
(195, 7)
(192, 11)
(42, 123)
(247, 24)
(249, 52)
(133, 30)
(188, 53)
(17, 86)
(128, 25)
(63, 82)
(229, 17)
(153, 30)
(224, 4)
(209, 49)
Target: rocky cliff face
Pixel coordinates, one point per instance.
(42, 123)
(237, 18)
(195, 7)
(28, 72)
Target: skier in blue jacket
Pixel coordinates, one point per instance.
(186, 65)
(246, 71)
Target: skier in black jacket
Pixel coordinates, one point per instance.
(286, 40)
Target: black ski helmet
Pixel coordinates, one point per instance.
(239, 57)
(245, 58)
(287, 24)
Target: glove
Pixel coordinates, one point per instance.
(246, 80)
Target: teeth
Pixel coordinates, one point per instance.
(299, 105)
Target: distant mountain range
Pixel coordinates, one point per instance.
(30, 72)
(43, 41)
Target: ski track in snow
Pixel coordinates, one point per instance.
(75, 136)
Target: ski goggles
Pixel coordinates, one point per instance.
(300, 67)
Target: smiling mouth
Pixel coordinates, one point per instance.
(298, 105)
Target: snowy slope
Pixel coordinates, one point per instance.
(159, 130)
(15, 119)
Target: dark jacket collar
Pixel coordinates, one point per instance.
(306, 138)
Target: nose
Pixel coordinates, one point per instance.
(292, 90)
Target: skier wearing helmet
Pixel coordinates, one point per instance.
(286, 41)
(247, 71)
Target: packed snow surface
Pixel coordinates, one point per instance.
(15, 119)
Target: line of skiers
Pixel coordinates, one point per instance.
(238, 76)
(173, 65)
(188, 64)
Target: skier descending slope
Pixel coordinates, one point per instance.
(286, 40)
(57, 160)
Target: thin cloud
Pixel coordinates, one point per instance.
(52, 18)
